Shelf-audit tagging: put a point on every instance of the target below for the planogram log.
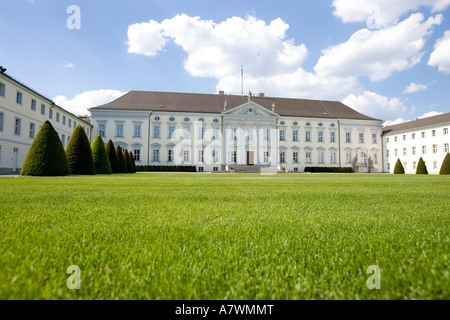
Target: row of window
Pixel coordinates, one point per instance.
(422, 134)
(414, 165)
(424, 150)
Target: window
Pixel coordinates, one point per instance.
(119, 130)
(201, 156)
(186, 119)
(156, 132)
(375, 158)
(216, 169)
(320, 136)
(234, 156)
(70, 123)
(19, 97)
(17, 125)
(266, 156)
(333, 157)
(332, 136)
(74, 124)
(32, 126)
(282, 135)
(201, 133)
(308, 136)
(266, 135)
(387, 154)
(57, 117)
(308, 157)
(405, 152)
(171, 156)
(433, 133)
(295, 157)
(68, 139)
(445, 130)
(233, 134)
(50, 114)
(186, 155)
(201, 169)
(405, 165)
(2, 89)
(33, 104)
(396, 152)
(423, 134)
(157, 118)
(43, 109)
(435, 165)
(361, 138)
(414, 165)
(348, 157)
(63, 140)
(156, 155)
(64, 120)
(395, 139)
(295, 135)
(172, 119)
(413, 136)
(171, 132)
(374, 138)
(434, 148)
(137, 130)
(321, 157)
(348, 137)
(282, 157)
(137, 155)
(2, 117)
(295, 169)
(250, 134)
(424, 149)
(413, 150)
(102, 130)
(215, 156)
(387, 140)
(186, 133)
(445, 147)
(216, 134)
(404, 137)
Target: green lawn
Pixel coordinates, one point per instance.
(205, 236)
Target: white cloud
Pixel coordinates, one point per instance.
(400, 120)
(377, 54)
(386, 12)
(415, 87)
(145, 38)
(375, 105)
(430, 114)
(80, 104)
(393, 123)
(440, 57)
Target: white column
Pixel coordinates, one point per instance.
(257, 151)
(274, 146)
(241, 146)
(225, 144)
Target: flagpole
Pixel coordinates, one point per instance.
(242, 80)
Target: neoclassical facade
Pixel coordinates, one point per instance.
(216, 132)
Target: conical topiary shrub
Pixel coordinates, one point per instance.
(100, 157)
(399, 168)
(121, 160)
(132, 162)
(46, 156)
(126, 156)
(79, 153)
(445, 168)
(112, 156)
(421, 167)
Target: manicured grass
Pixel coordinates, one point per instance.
(205, 236)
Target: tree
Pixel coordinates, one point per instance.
(399, 168)
(126, 156)
(121, 160)
(100, 157)
(133, 162)
(112, 156)
(371, 166)
(445, 168)
(46, 156)
(421, 167)
(79, 153)
(355, 164)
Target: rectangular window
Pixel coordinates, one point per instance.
(405, 165)
(295, 169)
(216, 169)
(50, 114)
(433, 133)
(33, 104)
(405, 152)
(2, 118)
(63, 140)
(102, 130)
(186, 133)
(387, 153)
(423, 134)
(234, 134)
(68, 139)
(445, 131)
(295, 157)
(17, 125)
(295, 136)
(375, 158)
(282, 157)
(156, 155)
(2, 90)
(414, 165)
(201, 169)
(404, 137)
(64, 120)
(266, 156)
(414, 150)
(282, 135)
(395, 139)
(387, 140)
(413, 136)
(424, 149)
(320, 136)
(171, 132)
(308, 136)
(70, 123)
(57, 117)
(234, 156)
(321, 158)
(156, 132)
(19, 97)
(171, 155)
(435, 165)
(137, 130)
(333, 157)
(332, 136)
(349, 157)
(374, 138)
(396, 152)
(434, 148)
(43, 109)
(308, 157)
(201, 156)
(201, 133)
(361, 138)
(119, 130)
(445, 147)
(215, 156)
(216, 134)
(32, 126)
(137, 155)
(186, 155)
(250, 134)
(348, 137)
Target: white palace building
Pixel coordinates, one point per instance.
(217, 132)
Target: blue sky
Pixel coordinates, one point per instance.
(388, 59)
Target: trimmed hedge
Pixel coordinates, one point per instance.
(132, 162)
(399, 168)
(79, 153)
(121, 160)
(329, 169)
(445, 168)
(101, 160)
(46, 156)
(421, 167)
(112, 156)
(126, 156)
(166, 168)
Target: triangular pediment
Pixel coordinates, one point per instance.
(250, 108)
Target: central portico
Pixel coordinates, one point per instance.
(250, 136)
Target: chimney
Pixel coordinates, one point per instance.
(221, 93)
(261, 94)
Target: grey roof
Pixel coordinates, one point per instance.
(419, 123)
(213, 103)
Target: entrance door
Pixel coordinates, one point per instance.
(250, 158)
(15, 159)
